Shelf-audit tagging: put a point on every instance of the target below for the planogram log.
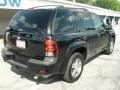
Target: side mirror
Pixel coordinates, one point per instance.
(107, 26)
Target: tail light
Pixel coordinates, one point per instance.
(51, 48)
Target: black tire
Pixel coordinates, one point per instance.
(108, 51)
(68, 73)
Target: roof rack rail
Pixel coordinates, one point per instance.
(46, 6)
(97, 10)
(83, 9)
(70, 4)
(77, 8)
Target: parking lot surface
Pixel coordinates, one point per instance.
(102, 73)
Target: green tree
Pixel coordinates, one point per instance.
(82, 1)
(90, 2)
(109, 4)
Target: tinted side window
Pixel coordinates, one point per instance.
(85, 21)
(97, 22)
(65, 22)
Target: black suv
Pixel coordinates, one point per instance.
(59, 40)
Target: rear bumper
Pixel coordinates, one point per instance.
(33, 65)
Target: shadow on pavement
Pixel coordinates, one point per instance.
(29, 76)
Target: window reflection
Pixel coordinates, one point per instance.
(32, 20)
(65, 22)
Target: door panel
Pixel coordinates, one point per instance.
(90, 37)
(87, 31)
(103, 36)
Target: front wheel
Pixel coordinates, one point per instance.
(110, 48)
(74, 68)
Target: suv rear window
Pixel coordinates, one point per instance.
(31, 20)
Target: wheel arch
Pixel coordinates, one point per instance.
(82, 50)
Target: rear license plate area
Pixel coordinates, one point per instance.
(21, 44)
